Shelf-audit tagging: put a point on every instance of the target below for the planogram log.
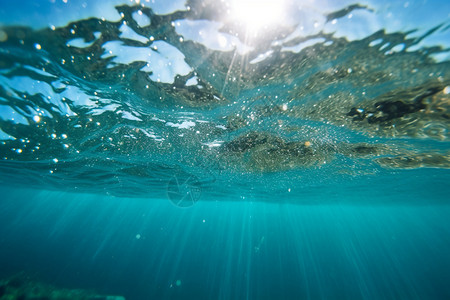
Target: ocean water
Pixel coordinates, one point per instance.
(224, 150)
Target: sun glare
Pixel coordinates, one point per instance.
(258, 14)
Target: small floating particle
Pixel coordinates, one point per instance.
(37, 46)
(3, 36)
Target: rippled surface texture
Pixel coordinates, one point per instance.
(123, 106)
(295, 103)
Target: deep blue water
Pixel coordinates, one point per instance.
(231, 250)
(225, 150)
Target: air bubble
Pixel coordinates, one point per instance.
(447, 90)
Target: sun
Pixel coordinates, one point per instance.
(257, 15)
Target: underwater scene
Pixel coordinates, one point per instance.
(224, 149)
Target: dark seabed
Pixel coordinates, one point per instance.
(224, 150)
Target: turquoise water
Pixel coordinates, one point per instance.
(224, 150)
(140, 248)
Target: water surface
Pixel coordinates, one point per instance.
(227, 150)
